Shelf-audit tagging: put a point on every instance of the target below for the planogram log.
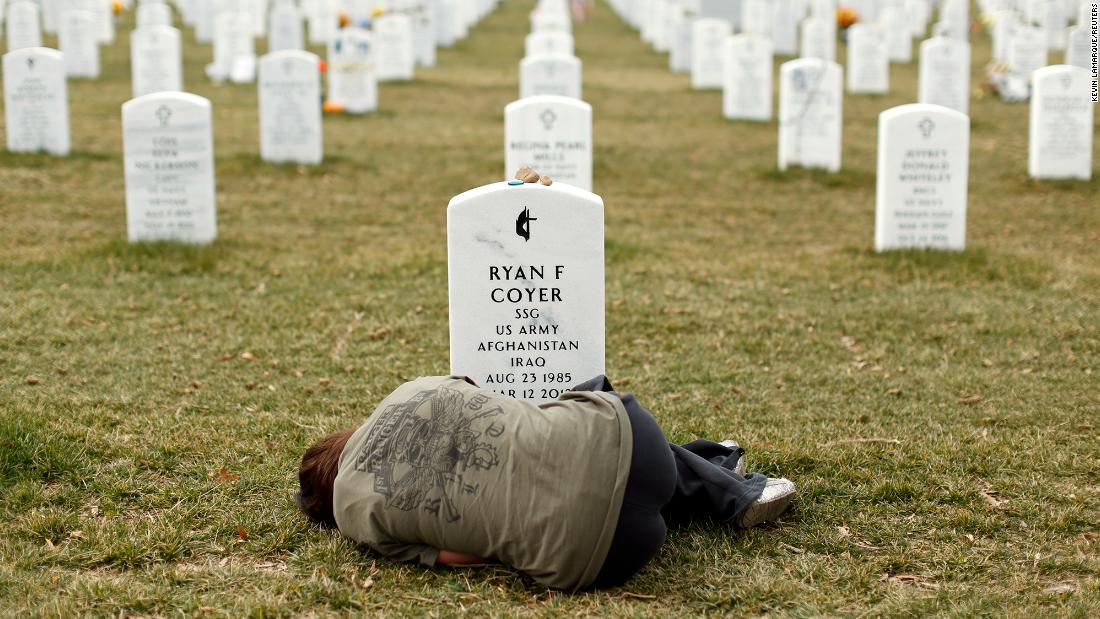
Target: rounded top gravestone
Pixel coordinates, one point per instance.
(923, 173)
(526, 281)
(552, 134)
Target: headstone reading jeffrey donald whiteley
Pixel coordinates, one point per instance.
(526, 280)
(168, 151)
(923, 170)
(36, 101)
(552, 134)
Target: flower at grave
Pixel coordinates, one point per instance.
(116, 6)
(846, 16)
(344, 20)
(377, 11)
(332, 107)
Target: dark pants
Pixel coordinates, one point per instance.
(669, 485)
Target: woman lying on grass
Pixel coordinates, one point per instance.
(577, 493)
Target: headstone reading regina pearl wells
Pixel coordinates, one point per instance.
(526, 281)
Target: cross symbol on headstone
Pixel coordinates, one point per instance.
(926, 127)
(1067, 81)
(30, 64)
(163, 113)
(548, 118)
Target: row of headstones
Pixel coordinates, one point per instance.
(405, 35)
(549, 66)
(549, 128)
(168, 136)
(810, 118)
(25, 20)
(527, 301)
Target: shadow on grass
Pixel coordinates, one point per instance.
(845, 179)
(163, 258)
(246, 164)
(35, 160)
(963, 267)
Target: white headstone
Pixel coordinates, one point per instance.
(551, 134)
(352, 81)
(526, 280)
(104, 13)
(679, 56)
(156, 63)
(787, 16)
(76, 38)
(1053, 20)
(945, 73)
(49, 11)
(1004, 28)
(205, 14)
(548, 42)
(285, 31)
(918, 13)
(955, 16)
(445, 23)
(1061, 131)
(1079, 47)
(817, 40)
(36, 104)
(290, 107)
(424, 34)
(153, 14)
(708, 39)
(550, 74)
(234, 48)
(322, 23)
(810, 114)
(757, 17)
(868, 60)
(23, 27)
(899, 38)
(923, 167)
(394, 53)
(747, 94)
(1027, 51)
(168, 152)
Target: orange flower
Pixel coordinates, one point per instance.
(116, 6)
(846, 16)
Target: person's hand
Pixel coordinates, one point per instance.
(527, 175)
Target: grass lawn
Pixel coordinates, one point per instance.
(940, 412)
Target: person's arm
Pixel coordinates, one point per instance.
(457, 559)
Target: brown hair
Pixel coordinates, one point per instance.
(317, 475)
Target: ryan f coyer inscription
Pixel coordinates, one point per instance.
(520, 286)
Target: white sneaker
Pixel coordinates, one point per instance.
(738, 468)
(777, 497)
